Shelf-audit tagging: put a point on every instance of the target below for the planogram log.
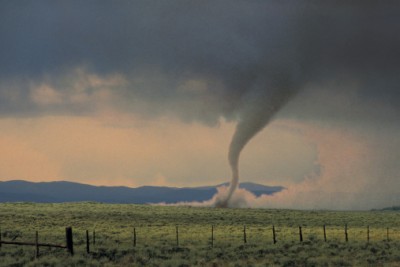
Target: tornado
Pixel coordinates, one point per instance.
(259, 108)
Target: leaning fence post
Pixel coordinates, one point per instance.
(345, 233)
(87, 242)
(134, 236)
(37, 244)
(244, 234)
(368, 233)
(273, 234)
(177, 236)
(70, 244)
(324, 233)
(300, 234)
(212, 236)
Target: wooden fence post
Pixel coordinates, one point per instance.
(324, 232)
(212, 236)
(300, 234)
(0, 237)
(368, 233)
(273, 234)
(177, 236)
(87, 242)
(345, 233)
(134, 236)
(244, 234)
(37, 244)
(94, 237)
(70, 243)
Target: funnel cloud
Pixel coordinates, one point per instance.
(259, 110)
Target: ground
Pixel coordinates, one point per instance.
(156, 236)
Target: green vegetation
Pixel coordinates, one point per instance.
(156, 236)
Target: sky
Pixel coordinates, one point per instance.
(151, 93)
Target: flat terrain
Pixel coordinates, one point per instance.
(156, 243)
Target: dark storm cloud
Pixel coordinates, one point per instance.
(239, 49)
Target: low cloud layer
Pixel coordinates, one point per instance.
(197, 61)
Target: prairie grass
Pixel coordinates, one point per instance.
(156, 236)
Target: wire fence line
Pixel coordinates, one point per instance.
(198, 236)
(68, 242)
(259, 234)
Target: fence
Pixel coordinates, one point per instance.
(221, 235)
(185, 235)
(68, 236)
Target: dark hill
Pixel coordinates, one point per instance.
(23, 191)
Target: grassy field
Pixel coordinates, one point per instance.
(156, 236)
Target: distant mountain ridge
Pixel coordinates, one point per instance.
(62, 191)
